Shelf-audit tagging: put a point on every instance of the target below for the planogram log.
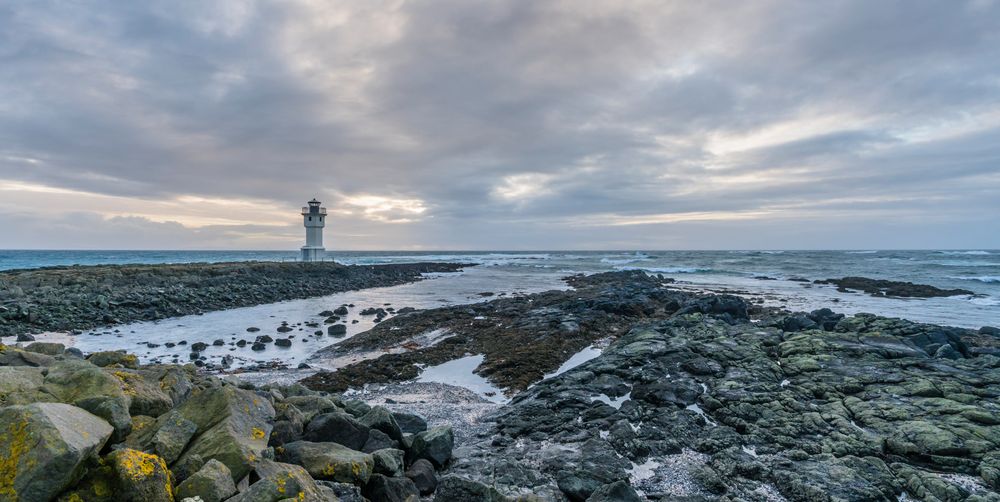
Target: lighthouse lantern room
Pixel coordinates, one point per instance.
(313, 217)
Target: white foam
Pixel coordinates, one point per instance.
(667, 270)
(784, 383)
(750, 450)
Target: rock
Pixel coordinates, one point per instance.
(884, 288)
(24, 337)
(43, 448)
(989, 330)
(22, 385)
(199, 346)
(422, 475)
(329, 461)
(252, 329)
(385, 489)
(94, 390)
(233, 427)
(619, 491)
(378, 440)
(389, 461)
(173, 433)
(338, 428)
(213, 483)
(341, 311)
(279, 482)
(283, 342)
(454, 487)
(434, 444)
(285, 431)
(257, 346)
(114, 357)
(380, 418)
(337, 330)
(47, 348)
(409, 423)
(989, 470)
(345, 492)
(140, 477)
(218, 342)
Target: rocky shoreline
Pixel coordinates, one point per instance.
(695, 397)
(77, 298)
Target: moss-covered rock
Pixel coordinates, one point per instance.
(329, 461)
(140, 477)
(434, 444)
(213, 483)
(233, 427)
(43, 448)
(280, 481)
(114, 358)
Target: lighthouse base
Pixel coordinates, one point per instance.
(313, 253)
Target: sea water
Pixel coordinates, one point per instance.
(766, 274)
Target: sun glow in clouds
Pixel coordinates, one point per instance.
(386, 209)
(522, 186)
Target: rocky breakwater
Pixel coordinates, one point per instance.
(72, 298)
(801, 407)
(105, 429)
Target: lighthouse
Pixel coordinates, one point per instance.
(312, 218)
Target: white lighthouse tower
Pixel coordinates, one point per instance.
(312, 218)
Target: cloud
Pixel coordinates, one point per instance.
(555, 124)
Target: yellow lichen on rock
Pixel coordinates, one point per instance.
(16, 440)
(257, 433)
(139, 465)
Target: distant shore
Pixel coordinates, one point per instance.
(77, 298)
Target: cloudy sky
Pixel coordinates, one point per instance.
(500, 125)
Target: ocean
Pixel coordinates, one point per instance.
(765, 274)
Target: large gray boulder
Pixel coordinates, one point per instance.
(280, 481)
(329, 461)
(213, 483)
(380, 418)
(434, 444)
(140, 477)
(233, 427)
(43, 448)
(339, 428)
(385, 489)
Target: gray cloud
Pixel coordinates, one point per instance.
(550, 124)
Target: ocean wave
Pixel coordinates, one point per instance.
(987, 301)
(667, 270)
(973, 253)
(862, 252)
(622, 259)
(982, 278)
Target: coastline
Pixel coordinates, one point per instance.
(77, 298)
(672, 393)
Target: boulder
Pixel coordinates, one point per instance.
(213, 483)
(619, 491)
(422, 475)
(378, 440)
(22, 385)
(385, 489)
(341, 311)
(434, 444)
(114, 357)
(47, 348)
(389, 461)
(93, 389)
(329, 461)
(173, 433)
(279, 481)
(453, 487)
(43, 448)
(233, 425)
(337, 428)
(380, 418)
(140, 477)
(410, 423)
(337, 330)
